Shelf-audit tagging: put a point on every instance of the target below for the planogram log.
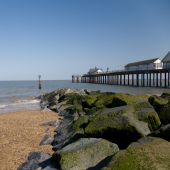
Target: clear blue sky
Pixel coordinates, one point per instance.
(58, 38)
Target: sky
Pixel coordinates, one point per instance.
(58, 38)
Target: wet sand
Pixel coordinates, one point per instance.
(21, 133)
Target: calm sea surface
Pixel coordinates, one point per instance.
(17, 95)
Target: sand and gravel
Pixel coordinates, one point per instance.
(21, 133)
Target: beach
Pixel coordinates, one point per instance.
(21, 134)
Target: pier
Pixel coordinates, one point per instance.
(138, 78)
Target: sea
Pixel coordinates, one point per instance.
(21, 95)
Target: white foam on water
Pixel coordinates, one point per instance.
(21, 102)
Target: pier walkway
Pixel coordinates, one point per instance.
(142, 78)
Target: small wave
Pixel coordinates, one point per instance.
(3, 105)
(21, 102)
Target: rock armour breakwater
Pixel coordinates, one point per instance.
(116, 119)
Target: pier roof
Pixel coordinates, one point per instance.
(92, 70)
(142, 62)
(167, 57)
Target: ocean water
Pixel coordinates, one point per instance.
(20, 95)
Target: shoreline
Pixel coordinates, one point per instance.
(21, 134)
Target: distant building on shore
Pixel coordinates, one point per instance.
(95, 71)
(166, 61)
(155, 63)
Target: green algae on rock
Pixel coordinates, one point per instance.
(121, 99)
(124, 124)
(84, 153)
(148, 153)
(163, 132)
(157, 102)
(164, 113)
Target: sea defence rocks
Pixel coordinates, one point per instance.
(163, 132)
(54, 123)
(84, 153)
(164, 113)
(81, 102)
(119, 118)
(121, 99)
(123, 125)
(70, 130)
(157, 102)
(47, 140)
(147, 153)
(36, 161)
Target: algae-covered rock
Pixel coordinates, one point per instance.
(164, 113)
(146, 113)
(157, 102)
(148, 153)
(163, 132)
(125, 124)
(105, 99)
(84, 153)
(121, 99)
(166, 95)
(70, 129)
(76, 110)
(87, 101)
(121, 129)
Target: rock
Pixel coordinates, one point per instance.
(57, 97)
(87, 91)
(36, 160)
(70, 130)
(157, 102)
(164, 113)
(84, 153)
(53, 103)
(50, 167)
(54, 123)
(166, 95)
(121, 99)
(71, 137)
(163, 132)
(147, 153)
(47, 140)
(76, 110)
(105, 99)
(125, 123)
(146, 113)
(44, 104)
(45, 109)
(87, 101)
(120, 129)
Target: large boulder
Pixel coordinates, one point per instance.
(121, 99)
(84, 153)
(36, 160)
(163, 132)
(166, 95)
(125, 124)
(105, 99)
(121, 129)
(164, 113)
(88, 101)
(157, 102)
(148, 153)
(70, 130)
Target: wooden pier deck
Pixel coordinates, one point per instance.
(142, 78)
